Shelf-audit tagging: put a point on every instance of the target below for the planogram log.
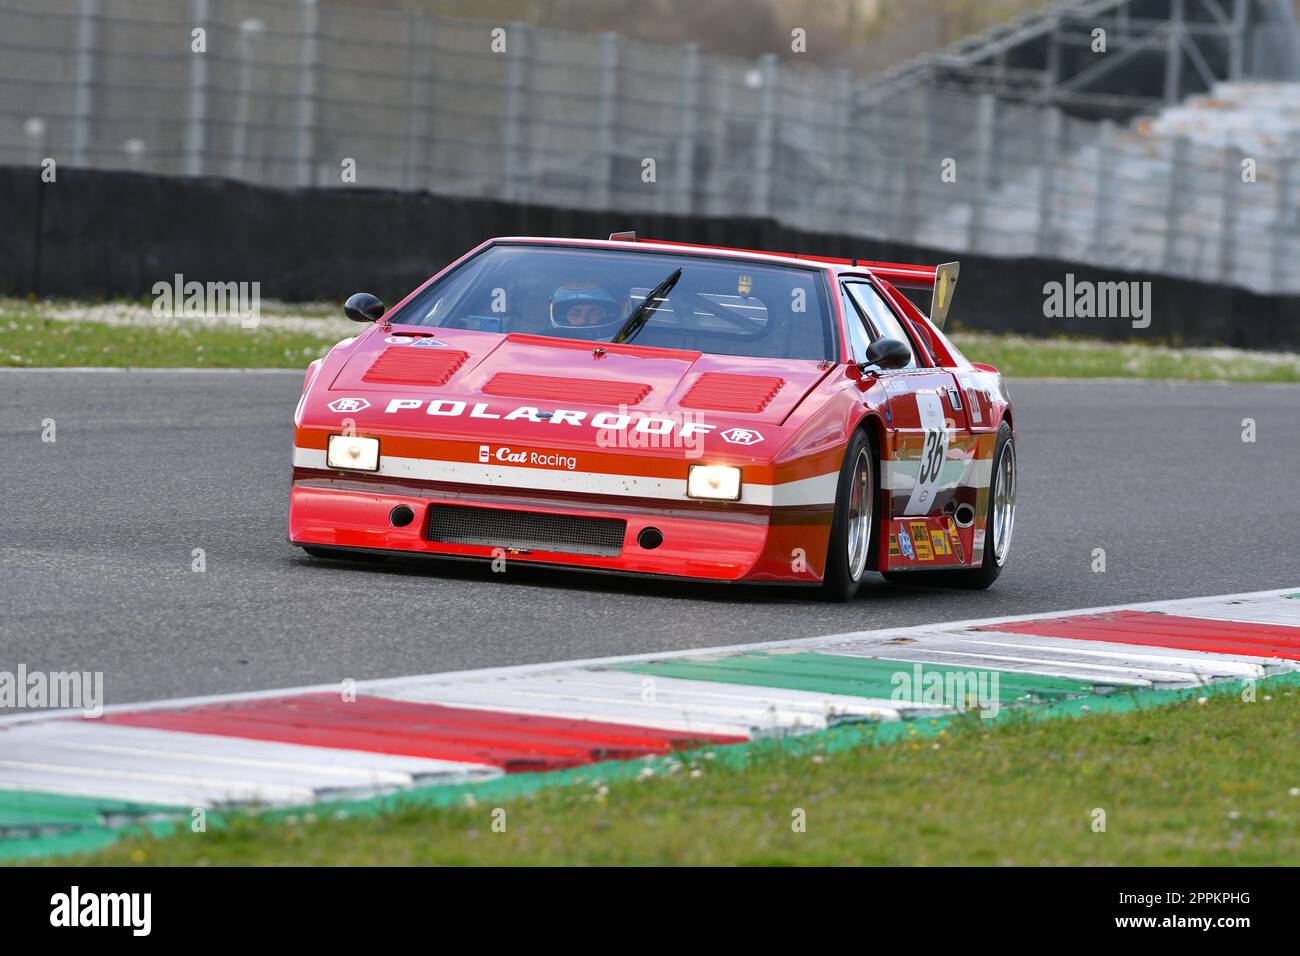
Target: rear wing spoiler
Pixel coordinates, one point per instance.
(940, 280)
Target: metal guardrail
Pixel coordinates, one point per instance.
(300, 93)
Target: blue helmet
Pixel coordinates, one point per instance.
(584, 310)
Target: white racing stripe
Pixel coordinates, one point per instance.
(817, 490)
(1264, 609)
(666, 703)
(899, 475)
(1098, 662)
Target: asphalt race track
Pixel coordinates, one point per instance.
(97, 531)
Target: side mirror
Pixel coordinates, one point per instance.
(887, 354)
(364, 307)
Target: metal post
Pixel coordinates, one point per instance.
(717, 190)
(1237, 40)
(606, 119)
(515, 118)
(765, 140)
(35, 127)
(419, 77)
(83, 98)
(1174, 201)
(1285, 207)
(1174, 53)
(249, 31)
(305, 114)
(985, 131)
(688, 118)
(1104, 187)
(1052, 72)
(914, 158)
(196, 123)
(875, 216)
(1228, 219)
(841, 156)
(1048, 170)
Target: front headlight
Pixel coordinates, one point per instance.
(713, 481)
(353, 453)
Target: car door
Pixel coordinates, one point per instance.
(925, 464)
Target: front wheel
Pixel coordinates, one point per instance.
(853, 528)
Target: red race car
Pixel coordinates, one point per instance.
(660, 408)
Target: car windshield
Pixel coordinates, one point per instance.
(717, 305)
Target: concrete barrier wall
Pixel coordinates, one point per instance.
(98, 234)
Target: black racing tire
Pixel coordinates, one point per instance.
(847, 565)
(996, 551)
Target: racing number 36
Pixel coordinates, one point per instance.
(932, 456)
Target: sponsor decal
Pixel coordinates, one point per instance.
(905, 543)
(922, 535)
(954, 539)
(893, 546)
(415, 341)
(645, 425)
(939, 543)
(348, 405)
(742, 436)
(541, 459)
(745, 284)
(483, 323)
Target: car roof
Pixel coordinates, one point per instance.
(896, 273)
(678, 248)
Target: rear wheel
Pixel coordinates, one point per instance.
(853, 527)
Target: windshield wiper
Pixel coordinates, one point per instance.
(641, 314)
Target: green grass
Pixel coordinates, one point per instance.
(1022, 357)
(47, 334)
(53, 343)
(1185, 784)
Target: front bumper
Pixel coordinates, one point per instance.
(720, 544)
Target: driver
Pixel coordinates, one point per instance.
(584, 310)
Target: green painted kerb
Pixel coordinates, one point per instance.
(34, 822)
(853, 676)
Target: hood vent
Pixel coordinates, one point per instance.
(724, 392)
(405, 365)
(553, 388)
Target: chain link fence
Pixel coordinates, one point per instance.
(300, 93)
